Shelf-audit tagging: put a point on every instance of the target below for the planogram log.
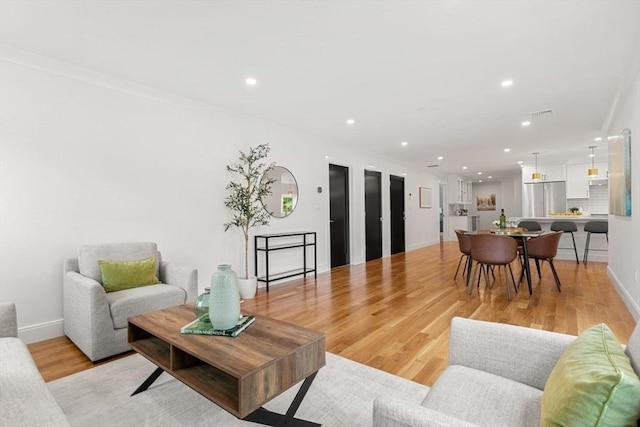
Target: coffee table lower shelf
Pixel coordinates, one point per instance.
(261, 415)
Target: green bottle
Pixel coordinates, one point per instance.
(503, 220)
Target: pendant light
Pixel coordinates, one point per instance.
(536, 176)
(592, 171)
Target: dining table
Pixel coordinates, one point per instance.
(516, 233)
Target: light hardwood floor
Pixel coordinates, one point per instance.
(394, 313)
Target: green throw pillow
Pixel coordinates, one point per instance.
(593, 384)
(119, 275)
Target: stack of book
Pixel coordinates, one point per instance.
(202, 326)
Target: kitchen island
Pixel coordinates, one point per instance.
(565, 251)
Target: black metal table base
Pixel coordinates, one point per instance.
(268, 418)
(260, 415)
(147, 383)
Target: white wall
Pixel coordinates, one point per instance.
(508, 193)
(624, 232)
(89, 158)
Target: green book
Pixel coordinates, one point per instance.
(202, 326)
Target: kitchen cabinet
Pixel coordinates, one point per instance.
(577, 182)
(603, 170)
(459, 190)
(548, 172)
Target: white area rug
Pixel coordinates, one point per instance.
(341, 395)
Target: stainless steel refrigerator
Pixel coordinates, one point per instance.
(542, 198)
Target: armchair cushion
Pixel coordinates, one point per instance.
(134, 301)
(593, 383)
(119, 275)
(89, 255)
(483, 398)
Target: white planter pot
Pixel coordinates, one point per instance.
(248, 287)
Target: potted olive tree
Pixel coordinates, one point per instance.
(244, 200)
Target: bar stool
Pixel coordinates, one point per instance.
(595, 227)
(567, 227)
(530, 225)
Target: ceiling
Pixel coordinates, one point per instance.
(425, 72)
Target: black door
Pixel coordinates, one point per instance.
(397, 214)
(373, 214)
(339, 214)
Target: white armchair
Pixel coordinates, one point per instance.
(495, 377)
(96, 321)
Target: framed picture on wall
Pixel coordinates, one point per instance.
(486, 202)
(620, 174)
(425, 197)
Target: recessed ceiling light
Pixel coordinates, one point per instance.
(506, 150)
(479, 180)
(371, 167)
(251, 81)
(520, 162)
(440, 158)
(611, 137)
(489, 177)
(591, 155)
(507, 83)
(464, 167)
(526, 123)
(479, 173)
(404, 143)
(350, 121)
(598, 138)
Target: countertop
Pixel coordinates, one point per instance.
(575, 218)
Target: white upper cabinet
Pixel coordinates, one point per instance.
(603, 170)
(577, 182)
(459, 190)
(548, 172)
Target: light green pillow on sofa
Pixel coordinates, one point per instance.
(593, 384)
(120, 275)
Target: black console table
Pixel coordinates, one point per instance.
(269, 242)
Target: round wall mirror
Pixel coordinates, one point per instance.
(284, 192)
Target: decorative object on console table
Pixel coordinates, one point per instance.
(224, 306)
(266, 247)
(245, 201)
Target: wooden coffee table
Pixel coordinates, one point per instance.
(239, 374)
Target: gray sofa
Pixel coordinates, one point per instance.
(25, 399)
(96, 321)
(495, 377)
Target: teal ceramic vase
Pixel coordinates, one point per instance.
(224, 303)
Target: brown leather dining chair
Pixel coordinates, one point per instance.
(545, 248)
(464, 243)
(490, 250)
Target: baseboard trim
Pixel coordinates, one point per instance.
(633, 307)
(42, 331)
